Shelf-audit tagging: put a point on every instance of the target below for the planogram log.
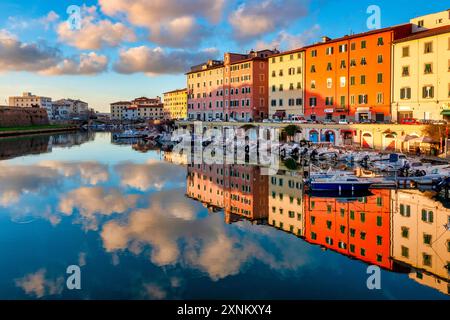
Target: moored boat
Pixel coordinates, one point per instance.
(339, 182)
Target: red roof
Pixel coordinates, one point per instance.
(425, 34)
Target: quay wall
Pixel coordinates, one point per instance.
(22, 117)
(380, 137)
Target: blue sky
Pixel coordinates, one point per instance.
(130, 48)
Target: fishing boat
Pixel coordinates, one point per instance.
(339, 182)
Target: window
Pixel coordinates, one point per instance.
(380, 58)
(363, 217)
(352, 80)
(379, 240)
(363, 79)
(427, 216)
(343, 65)
(329, 83)
(405, 52)
(314, 53)
(428, 47)
(426, 260)
(313, 69)
(312, 102)
(313, 84)
(362, 99)
(353, 46)
(363, 44)
(353, 63)
(405, 252)
(405, 71)
(420, 23)
(380, 41)
(379, 78)
(329, 51)
(427, 239)
(343, 81)
(363, 61)
(342, 48)
(405, 210)
(428, 92)
(428, 68)
(329, 66)
(405, 94)
(405, 232)
(343, 101)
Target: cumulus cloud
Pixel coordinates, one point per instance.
(287, 41)
(16, 55)
(95, 33)
(207, 244)
(173, 23)
(254, 19)
(92, 202)
(37, 284)
(86, 64)
(159, 61)
(91, 172)
(21, 23)
(153, 174)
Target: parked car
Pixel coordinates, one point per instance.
(266, 121)
(409, 121)
(343, 121)
(298, 119)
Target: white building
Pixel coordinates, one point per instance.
(27, 100)
(65, 109)
(139, 109)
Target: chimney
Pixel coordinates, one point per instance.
(325, 39)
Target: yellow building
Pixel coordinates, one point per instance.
(175, 104)
(431, 21)
(421, 239)
(286, 202)
(421, 75)
(286, 83)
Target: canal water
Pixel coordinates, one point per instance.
(141, 224)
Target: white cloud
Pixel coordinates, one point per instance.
(287, 41)
(94, 33)
(165, 19)
(38, 285)
(159, 61)
(254, 19)
(85, 64)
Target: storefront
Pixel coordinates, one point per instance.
(363, 114)
(404, 112)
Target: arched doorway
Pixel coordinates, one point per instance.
(314, 136)
(390, 142)
(330, 136)
(367, 141)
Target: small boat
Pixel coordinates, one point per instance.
(129, 134)
(339, 182)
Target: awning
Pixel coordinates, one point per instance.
(389, 131)
(408, 138)
(445, 112)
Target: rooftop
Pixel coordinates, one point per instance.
(425, 34)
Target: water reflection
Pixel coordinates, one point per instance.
(152, 227)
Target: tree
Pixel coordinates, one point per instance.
(291, 130)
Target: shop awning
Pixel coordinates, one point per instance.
(445, 112)
(279, 114)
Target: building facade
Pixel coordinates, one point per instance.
(175, 104)
(350, 77)
(28, 100)
(431, 21)
(139, 109)
(421, 75)
(65, 109)
(118, 109)
(286, 83)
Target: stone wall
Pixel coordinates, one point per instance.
(20, 117)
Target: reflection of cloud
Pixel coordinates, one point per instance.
(206, 243)
(16, 180)
(90, 202)
(154, 291)
(153, 174)
(38, 285)
(91, 172)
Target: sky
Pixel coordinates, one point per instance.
(122, 49)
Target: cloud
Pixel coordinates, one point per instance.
(165, 19)
(38, 285)
(94, 33)
(154, 291)
(44, 59)
(287, 41)
(153, 174)
(91, 172)
(21, 23)
(159, 61)
(92, 202)
(254, 19)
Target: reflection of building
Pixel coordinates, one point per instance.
(420, 239)
(359, 228)
(286, 84)
(240, 190)
(175, 157)
(286, 203)
(175, 104)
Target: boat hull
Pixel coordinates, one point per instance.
(339, 187)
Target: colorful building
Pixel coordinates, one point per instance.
(421, 239)
(205, 91)
(139, 109)
(421, 76)
(286, 202)
(175, 104)
(350, 77)
(286, 83)
(358, 228)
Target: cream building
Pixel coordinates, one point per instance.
(430, 21)
(28, 100)
(421, 75)
(420, 238)
(286, 83)
(118, 109)
(175, 104)
(286, 203)
(139, 109)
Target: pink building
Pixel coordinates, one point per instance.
(236, 88)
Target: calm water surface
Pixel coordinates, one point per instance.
(143, 226)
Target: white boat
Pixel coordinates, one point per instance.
(339, 182)
(129, 134)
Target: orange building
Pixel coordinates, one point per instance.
(359, 228)
(350, 77)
